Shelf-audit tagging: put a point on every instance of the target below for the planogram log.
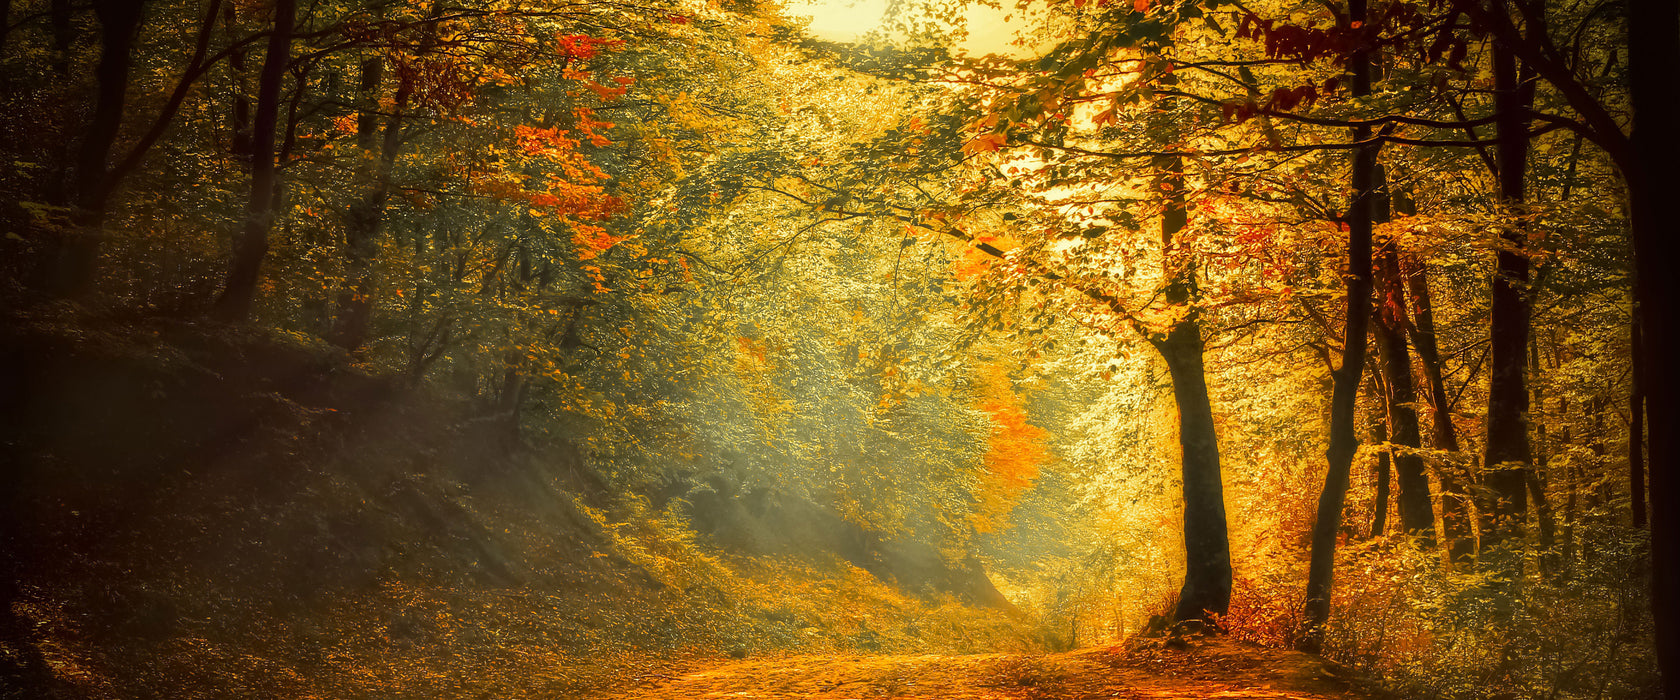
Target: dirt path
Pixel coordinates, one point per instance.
(1209, 669)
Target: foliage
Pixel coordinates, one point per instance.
(1429, 633)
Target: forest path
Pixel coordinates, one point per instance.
(1213, 668)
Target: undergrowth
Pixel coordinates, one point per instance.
(819, 603)
(1571, 627)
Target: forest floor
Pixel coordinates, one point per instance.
(1210, 668)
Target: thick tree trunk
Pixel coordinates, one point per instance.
(1207, 550)
(1653, 52)
(1507, 459)
(1343, 443)
(1207, 553)
(251, 245)
(194, 70)
(57, 186)
(119, 26)
(1456, 535)
(71, 263)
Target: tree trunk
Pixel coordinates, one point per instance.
(1570, 484)
(316, 311)
(1207, 550)
(1653, 51)
(367, 104)
(1417, 510)
(1636, 429)
(119, 26)
(1207, 553)
(1507, 458)
(5, 23)
(1457, 537)
(72, 261)
(1537, 477)
(57, 188)
(365, 220)
(1604, 491)
(58, 17)
(367, 217)
(239, 121)
(194, 70)
(251, 245)
(511, 397)
(1343, 443)
(1379, 433)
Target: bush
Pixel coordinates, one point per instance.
(1582, 628)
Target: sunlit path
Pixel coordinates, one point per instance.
(1208, 669)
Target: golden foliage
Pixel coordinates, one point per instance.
(1015, 450)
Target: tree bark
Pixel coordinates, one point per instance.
(1207, 552)
(1417, 510)
(511, 397)
(239, 121)
(1570, 483)
(5, 23)
(72, 260)
(367, 103)
(57, 185)
(251, 245)
(1456, 535)
(1538, 478)
(1207, 575)
(58, 17)
(366, 218)
(1343, 443)
(1379, 433)
(196, 68)
(1653, 52)
(1636, 428)
(1507, 457)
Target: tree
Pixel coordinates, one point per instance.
(70, 265)
(1360, 217)
(251, 243)
(1417, 510)
(1508, 456)
(1456, 535)
(1653, 43)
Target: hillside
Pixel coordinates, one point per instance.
(207, 511)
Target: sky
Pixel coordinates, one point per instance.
(846, 20)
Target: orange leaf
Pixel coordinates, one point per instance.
(985, 143)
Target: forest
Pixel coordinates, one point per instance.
(1007, 349)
